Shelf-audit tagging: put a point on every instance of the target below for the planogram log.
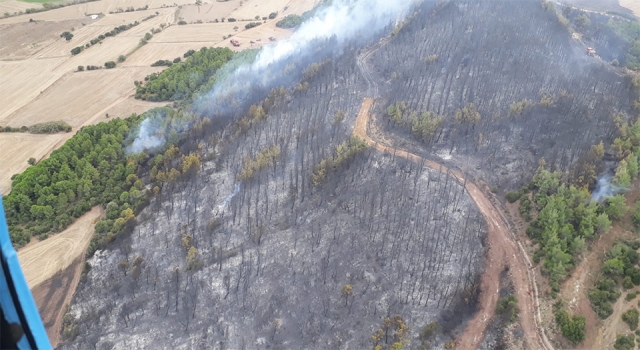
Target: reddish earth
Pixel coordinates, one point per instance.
(503, 251)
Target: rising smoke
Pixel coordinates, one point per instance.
(342, 22)
(605, 188)
(147, 138)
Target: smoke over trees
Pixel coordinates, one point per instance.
(293, 235)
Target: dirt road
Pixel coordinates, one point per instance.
(503, 249)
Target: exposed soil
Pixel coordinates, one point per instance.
(60, 250)
(52, 295)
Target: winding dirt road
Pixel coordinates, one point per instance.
(503, 249)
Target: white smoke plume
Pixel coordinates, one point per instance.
(147, 138)
(605, 188)
(344, 21)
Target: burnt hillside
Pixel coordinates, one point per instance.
(277, 246)
(493, 54)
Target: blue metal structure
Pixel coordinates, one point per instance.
(21, 326)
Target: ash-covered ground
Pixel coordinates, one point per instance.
(277, 252)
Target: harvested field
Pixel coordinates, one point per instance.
(152, 52)
(81, 36)
(126, 107)
(252, 8)
(17, 148)
(12, 6)
(632, 5)
(80, 97)
(21, 40)
(603, 5)
(206, 32)
(61, 250)
(208, 11)
(23, 81)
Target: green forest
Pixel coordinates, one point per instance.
(90, 169)
(182, 79)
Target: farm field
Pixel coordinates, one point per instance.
(60, 250)
(207, 12)
(632, 5)
(81, 97)
(17, 148)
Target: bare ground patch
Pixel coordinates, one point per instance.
(60, 249)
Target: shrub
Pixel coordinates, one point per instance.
(630, 296)
(50, 127)
(177, 60)
(66, 35)
(273, 15)
(181, 23)
(573, 328)
(508, 308)
(231, 19)
(80, 68)
(624, 342)
(289, 22)
(513, 196)
(630, 317)
(110, 65)
(122, 58)
(252, 24)
(627, 283)
(77, 50)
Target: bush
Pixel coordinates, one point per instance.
(159, 63)
(66, 35)
(80, 68)
(77, 50)
(290, 22)
(231, 19)
(602, 295)
(252, 24)
(177, 60)
(513, 196)
(122, 58)
(110, 65)
(507, 307)
(630, 296)
(630, 317)
(624, 342)
(573, 328)
(627, 283)
(273, 15)
(181, 23)
(50, 128)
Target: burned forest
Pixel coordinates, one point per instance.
(286, 230)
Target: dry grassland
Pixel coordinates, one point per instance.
(42, 260)
(17, 148)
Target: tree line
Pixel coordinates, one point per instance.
(183, 78)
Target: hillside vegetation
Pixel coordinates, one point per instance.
(182, 79)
